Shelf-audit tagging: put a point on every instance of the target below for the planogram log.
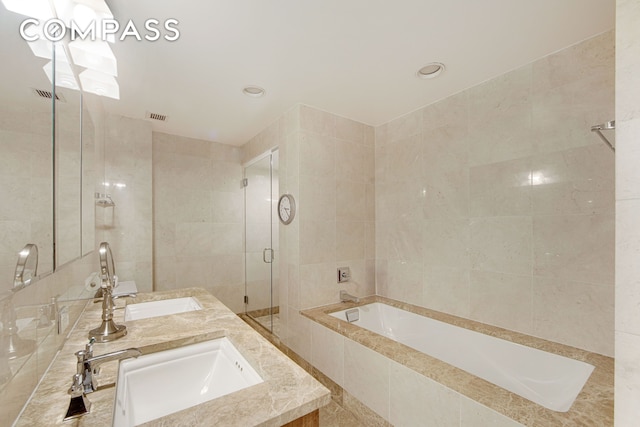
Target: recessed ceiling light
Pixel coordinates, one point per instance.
(253, 91)
(431, 70)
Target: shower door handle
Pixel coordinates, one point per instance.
(267, 259)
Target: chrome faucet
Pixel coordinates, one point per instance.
(346, 297)
(84, 380)
(108, 330)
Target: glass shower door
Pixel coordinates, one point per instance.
(260, 257)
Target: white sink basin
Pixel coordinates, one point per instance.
(144, 310)
(162, 383)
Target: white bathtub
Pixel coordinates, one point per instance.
(547, 379)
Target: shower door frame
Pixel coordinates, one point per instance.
(268, 252)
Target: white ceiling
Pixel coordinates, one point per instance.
(355, 58)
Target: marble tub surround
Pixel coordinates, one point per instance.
(286, 394)
(593, 406)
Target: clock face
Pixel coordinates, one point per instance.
(286, 208)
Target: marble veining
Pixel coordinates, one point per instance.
(592, 407)
(286, 394)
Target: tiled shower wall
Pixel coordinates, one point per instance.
(327, 163)
(198, 217)
(497, 203)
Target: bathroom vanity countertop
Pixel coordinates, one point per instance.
(592, 407)
(287, 393)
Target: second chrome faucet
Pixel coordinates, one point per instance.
(84, 380)
(346, 297)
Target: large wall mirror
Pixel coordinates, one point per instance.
(47, 158)
(26, 153)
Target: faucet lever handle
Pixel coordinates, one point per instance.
(88, 349)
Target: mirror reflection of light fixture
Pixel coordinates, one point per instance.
(41, 47)
(84, 13)
(40, 9)
(64, 75)
(95, 55)
(91, 53)
(99, 83)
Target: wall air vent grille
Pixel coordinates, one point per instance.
(47, 94)
(156, 116)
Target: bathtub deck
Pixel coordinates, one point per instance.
(593, 406)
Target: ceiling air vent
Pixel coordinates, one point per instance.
(47, 94)
(156, 116)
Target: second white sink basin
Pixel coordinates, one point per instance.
(162, 383)
(144, 310)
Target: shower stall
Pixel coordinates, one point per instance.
(261, 240)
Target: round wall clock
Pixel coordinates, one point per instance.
(286, 208)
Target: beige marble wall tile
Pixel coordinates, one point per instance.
(400, 200)
(445, 184)
(627, 378)
(507, 137)
(500, 189)
(627, 267)
(317, 284)
(404, 159)
(627, 159)
(626, 77)
(227, 269)
(226, 206)
(351, 201)
(370, 202)
(351, 161)
(404, 240)
(499, 97)
(226, 238)
(193, 239)
(317, 241)
(225, 176)
(501, 244)
(350, 130)
(317, 121)
(317, 155)
(370, 240)
(437, 405)
(350, 240)
(582, 60)
(317, 198)
(574, 313)
(327, 352)
(198, 209)
(575, 181)
(447, 289)
(404, 281)
(563, 116)
(293, 278)
(452, 110)
(473, 414)
(513, 292)
(258, 236)
(298, 333)
(447, 243)
(574, 247)
(403, 127)
(164, 269)
(366, 377)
